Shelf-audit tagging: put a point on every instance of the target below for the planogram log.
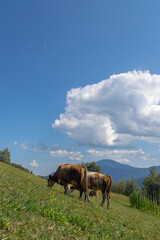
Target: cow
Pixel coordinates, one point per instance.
(98, 181)
(71, 174)
(93, 193)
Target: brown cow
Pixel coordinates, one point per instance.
(98, 181)
(71, 174)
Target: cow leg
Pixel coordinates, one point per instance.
(96, 194)
(104, 198)
(65, 188)
(81, 192)
(85, 192)
(86, 196)
(108, 200)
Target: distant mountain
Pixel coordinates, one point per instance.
(46, 177)
(123, 171)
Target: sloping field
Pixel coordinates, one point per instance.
(29, 210)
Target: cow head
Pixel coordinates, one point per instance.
(50, 181)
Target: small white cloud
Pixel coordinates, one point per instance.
(24, 146)
(123, 160)
(34, 164)
(15, 143)
(75, 156)
(59, 153)
(65, 153)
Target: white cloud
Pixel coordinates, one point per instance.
(123, 156)
(123, 160)
(75, 156)
(15, 143)
(113, 112)
(24, 146)
(59, 153)
(64, 153)
(34, 164)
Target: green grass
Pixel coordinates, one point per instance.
(30, 210)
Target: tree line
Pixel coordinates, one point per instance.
(150, 189)
(5, 157)
(125, 187)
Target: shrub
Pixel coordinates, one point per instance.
(139, 201)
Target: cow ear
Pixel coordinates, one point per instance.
(49, 176)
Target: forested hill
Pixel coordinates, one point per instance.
(123, 171)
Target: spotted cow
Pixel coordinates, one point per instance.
(97, 181)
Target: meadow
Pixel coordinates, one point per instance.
(30, 210)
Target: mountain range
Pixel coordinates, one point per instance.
(124, 171)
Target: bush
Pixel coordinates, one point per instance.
(139, 201)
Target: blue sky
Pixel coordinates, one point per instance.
(55, 106)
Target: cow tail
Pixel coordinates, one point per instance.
(110, 183)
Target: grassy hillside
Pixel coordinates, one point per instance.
(29, 210)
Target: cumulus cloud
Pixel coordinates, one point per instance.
(15, 143)
(34, 164)
(65, 153)
(114, 111)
